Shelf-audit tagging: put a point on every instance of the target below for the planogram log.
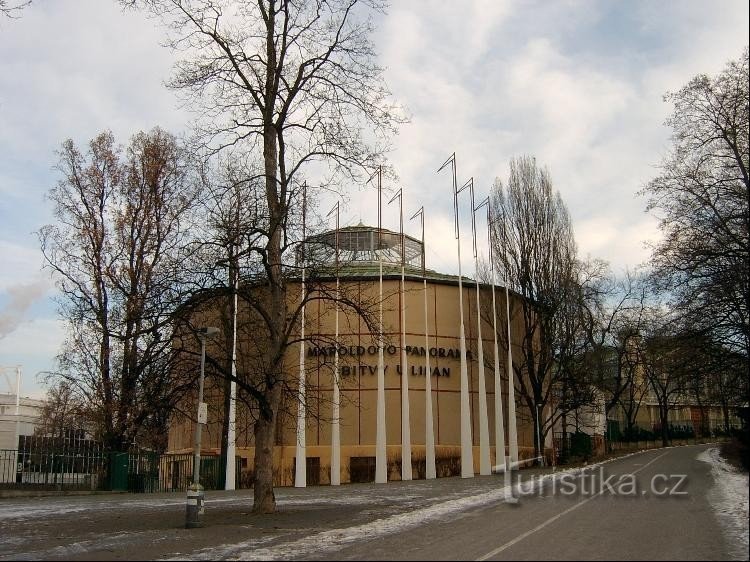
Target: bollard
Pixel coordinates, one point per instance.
(195, 506)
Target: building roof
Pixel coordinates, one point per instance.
(362, 244)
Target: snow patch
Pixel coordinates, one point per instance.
(729, 500)
(30, 512)
(336, 539)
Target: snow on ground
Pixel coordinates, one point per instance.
(47, 507)
(30, 512)
(729, 499)
(336, 539)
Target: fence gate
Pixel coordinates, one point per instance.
(119, 468)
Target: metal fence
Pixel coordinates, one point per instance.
(175, 472)
(58, 464)
(68, 461)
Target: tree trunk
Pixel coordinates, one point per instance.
(725, 413)
(664, 416)
(265, 427)
(264, 500)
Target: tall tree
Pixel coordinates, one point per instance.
(703, 199)
(115, 252)
(534, 246)
(296, 83)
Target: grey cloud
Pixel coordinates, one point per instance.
(21, 298)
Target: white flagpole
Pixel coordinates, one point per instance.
(230, 472)
(500, 465)
(512, 429)
(429, 432)
(335, 416)
(485, 467)
(467, 458)
(405, 420)
(300, 475)
(18, 422)
(229, 469)
(381, 459)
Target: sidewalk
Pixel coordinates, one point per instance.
(149, 526)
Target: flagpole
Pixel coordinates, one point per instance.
(485, 467)
(335, 414)
(381, 460)
(429, 432)
(467, 459)
(230, 470)
(512, 427)
(405, 419)
(234, 279)
(300, 474)
(500, 465)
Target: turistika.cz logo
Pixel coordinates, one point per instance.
(590, 483)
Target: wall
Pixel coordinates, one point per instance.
(358, 376)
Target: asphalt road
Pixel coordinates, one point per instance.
(652, 505)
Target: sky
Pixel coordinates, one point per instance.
(577, 84)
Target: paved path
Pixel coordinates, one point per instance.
(451, 518)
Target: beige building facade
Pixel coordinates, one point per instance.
(357, 350)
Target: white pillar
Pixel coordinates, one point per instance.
(381, 460)
(405, 422)
(430, 470)
(300, 474)
(499, 425)
(484, 429)
(230, 473)
(467, 458)
(18, 421)
(512, 431)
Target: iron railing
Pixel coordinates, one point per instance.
(43, 465)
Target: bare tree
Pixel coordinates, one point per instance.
(295, 83)
(115, 252)
(667, 361)
(534, 246)
(12, 10)
(727, 384)
(62, 412)
(614, 331)
(703, 199)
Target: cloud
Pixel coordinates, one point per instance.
(21, 297)
(576, 83)
(33, 345)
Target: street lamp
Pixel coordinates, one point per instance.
(195, 491)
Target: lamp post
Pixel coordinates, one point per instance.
(194, 508)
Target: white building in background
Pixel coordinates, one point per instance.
(29, 411)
